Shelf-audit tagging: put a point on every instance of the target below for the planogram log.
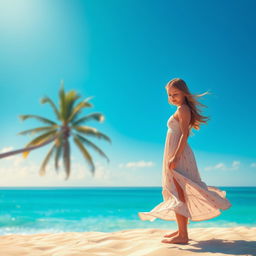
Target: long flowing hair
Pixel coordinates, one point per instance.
(191, 101)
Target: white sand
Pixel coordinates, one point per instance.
(134, 242)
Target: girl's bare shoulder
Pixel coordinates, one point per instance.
(183, 112)
(183, 109)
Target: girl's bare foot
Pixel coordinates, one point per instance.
(178, 239)
(172, 234)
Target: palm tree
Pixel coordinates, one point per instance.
(70, 124)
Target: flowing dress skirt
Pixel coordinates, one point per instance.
(202, 202)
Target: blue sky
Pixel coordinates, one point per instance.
(123, 53)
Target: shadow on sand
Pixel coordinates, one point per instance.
(234, 247)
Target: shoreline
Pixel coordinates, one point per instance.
(239, 240)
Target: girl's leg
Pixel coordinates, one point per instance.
(182, 235)
(182, 220)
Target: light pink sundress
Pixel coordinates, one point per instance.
(202, 202)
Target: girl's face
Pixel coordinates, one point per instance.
(175, 96)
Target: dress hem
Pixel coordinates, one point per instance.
(190, 219)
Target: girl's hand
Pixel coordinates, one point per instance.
(173, 162)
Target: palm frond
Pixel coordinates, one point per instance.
(46, 160)
(37, 130)
(62, 102)
(42, 119)
(92, 132)
(66, 102)
(78, 108)
(39, 140)
(96, 116)
(85, 153)
(71, 98)
(48, 100)
(91, 144)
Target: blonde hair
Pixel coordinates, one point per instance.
(191, 101)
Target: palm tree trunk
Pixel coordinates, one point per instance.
(26, 149)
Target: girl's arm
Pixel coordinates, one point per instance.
(184, 115)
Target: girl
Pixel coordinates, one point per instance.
(185, 196)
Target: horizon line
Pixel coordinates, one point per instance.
(88, 187)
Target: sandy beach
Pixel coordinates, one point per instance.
(135, 242)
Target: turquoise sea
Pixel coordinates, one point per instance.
(106, 209)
